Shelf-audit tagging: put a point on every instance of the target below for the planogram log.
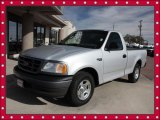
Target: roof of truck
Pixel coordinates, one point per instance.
(97, 30)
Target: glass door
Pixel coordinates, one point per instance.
(39, 36)
(53, 36)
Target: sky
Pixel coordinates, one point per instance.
(125, 19)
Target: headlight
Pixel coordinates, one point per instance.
(59, 68)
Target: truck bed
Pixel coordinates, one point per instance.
(135, 48)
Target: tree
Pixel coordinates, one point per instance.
(133, 39)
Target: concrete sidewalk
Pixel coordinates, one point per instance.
(116, 97)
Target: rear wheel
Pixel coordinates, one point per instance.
(134, 76)
(81, 89)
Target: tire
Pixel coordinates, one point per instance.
(134, 76)
(77, 96)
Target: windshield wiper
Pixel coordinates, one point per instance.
(81, 45)
(68, 44)
(61, 43)
(72, 44)
(88, 45)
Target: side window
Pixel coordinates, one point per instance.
(114, 42)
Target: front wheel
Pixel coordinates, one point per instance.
(134, 76)
(81, 89)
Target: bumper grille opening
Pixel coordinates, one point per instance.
(27, 85)
(29, 64)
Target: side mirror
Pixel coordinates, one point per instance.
(106, 49)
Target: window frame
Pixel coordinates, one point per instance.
(106, 49)
(107, 32)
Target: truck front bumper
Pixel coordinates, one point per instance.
(46, 85)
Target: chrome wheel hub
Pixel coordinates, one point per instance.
(84, 90)
(136, 74)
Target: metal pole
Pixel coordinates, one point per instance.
(140, 31)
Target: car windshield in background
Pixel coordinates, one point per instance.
(86, 38)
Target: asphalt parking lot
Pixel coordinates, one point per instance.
(148, 71)
(116, 97)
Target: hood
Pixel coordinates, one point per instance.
(54, 52)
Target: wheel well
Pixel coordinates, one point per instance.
(139, 62)
(94, 73)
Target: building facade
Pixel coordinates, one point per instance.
(31, 26)
(66, 30)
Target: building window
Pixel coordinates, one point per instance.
(12, 31)
(14, 37)
(39, 36)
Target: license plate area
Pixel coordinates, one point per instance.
(20, 83)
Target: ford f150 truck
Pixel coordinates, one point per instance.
(83, 60)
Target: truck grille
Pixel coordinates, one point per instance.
(29, 64)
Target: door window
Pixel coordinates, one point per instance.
(114, 42)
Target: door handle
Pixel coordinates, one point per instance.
(99, 59)
(124, 56)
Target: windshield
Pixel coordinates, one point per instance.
(86, 38)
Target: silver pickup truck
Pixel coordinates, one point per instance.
(82, 61)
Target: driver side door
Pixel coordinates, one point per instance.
(114, 58)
